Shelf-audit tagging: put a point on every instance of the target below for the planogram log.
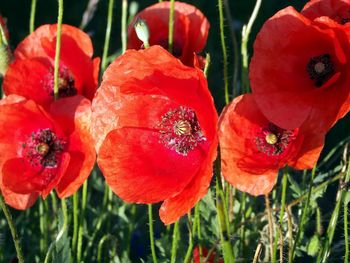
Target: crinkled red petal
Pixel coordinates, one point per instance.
(74, 114)
(140, 169)
(31, 46)
(175, 207)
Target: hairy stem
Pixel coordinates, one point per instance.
(175, 242)
(81, 221)
(151, 233)
(58, 49)
(32, 16)
(171, 26)
(107, 36)
(283, 203)
(224, 50)
(124, 25)
(244, 46)
(12, 229)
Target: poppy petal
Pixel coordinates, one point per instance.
(134, 157)
(175, 207)
(18, 201)
(31, 46)
(74, 114)
(34, 75)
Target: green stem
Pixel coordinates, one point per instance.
(151, 233)
(12, 229)
(174, 244)
(171, 26)
(32, 16)
(192, 233)
(270, 220)
(81, 221)
(244, 46)
(109, 208)
(235, 46)
(53, 202)
(107, 36)
(61, 232)
(124, 25)
(92, 239)
(346, 225)
(303, 216)
(75, 221)
(58, 49)
(207, 64)
(242, 211)
(222, 217)
(325, 251)
(197, 218)
(283, 203)
(224, 50)
(105, 196)
(346, 235)
(43, 227)
(101, 243)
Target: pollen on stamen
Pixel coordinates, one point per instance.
(43, 148)
(273, 140)
(180, 131)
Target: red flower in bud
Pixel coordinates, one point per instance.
(43, 150)
(191, 29)
(31, 74)
(337, 10)
(207, 256)
(154, 123)
(253, 149)
(305, 78)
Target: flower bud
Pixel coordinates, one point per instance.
(5, 52)
(142, 31)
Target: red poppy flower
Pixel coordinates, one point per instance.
(207, 256)
(338, 10)
(253, 149)
(154, 123)
(31, 74)
(304, 78)
(41, 151)
(191, 29)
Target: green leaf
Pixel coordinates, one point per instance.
(294, 186)
(313, 246)
(61, 252)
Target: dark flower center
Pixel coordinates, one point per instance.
(66, 83)
(43, 148)
(320, 69)
(273, 140)
(180, 130)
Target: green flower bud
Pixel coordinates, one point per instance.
(142, 31)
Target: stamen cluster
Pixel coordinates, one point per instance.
(180, 130)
